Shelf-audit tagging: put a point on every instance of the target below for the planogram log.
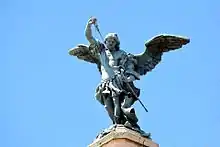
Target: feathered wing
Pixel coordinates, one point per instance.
(155, 47)
(86, 53)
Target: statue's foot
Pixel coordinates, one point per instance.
(118, 120)
(137, 128)
(144, 134)
(127, 124)
(132, 126)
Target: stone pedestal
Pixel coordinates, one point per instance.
(123, 137)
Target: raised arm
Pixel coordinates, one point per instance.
(88, 30)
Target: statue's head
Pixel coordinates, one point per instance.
(112, 41)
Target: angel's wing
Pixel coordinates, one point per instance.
(155, 47)
(86, 53)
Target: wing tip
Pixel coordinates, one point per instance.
(186, 41)
(71, 51)
(80, 49)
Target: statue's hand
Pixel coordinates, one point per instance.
(130, 79)
(92, 20)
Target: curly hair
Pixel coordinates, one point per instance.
(115, 37)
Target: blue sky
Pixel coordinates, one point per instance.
(47, 97)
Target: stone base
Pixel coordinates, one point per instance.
(123, 137)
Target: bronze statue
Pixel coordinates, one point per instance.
(118, 69)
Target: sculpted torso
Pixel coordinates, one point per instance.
(110, 62)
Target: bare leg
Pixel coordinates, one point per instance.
(117, 110)
(128, 102)
(129, 112)
(109, 107)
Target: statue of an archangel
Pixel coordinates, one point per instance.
(118, 69)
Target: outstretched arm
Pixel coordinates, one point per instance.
(88, 30)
